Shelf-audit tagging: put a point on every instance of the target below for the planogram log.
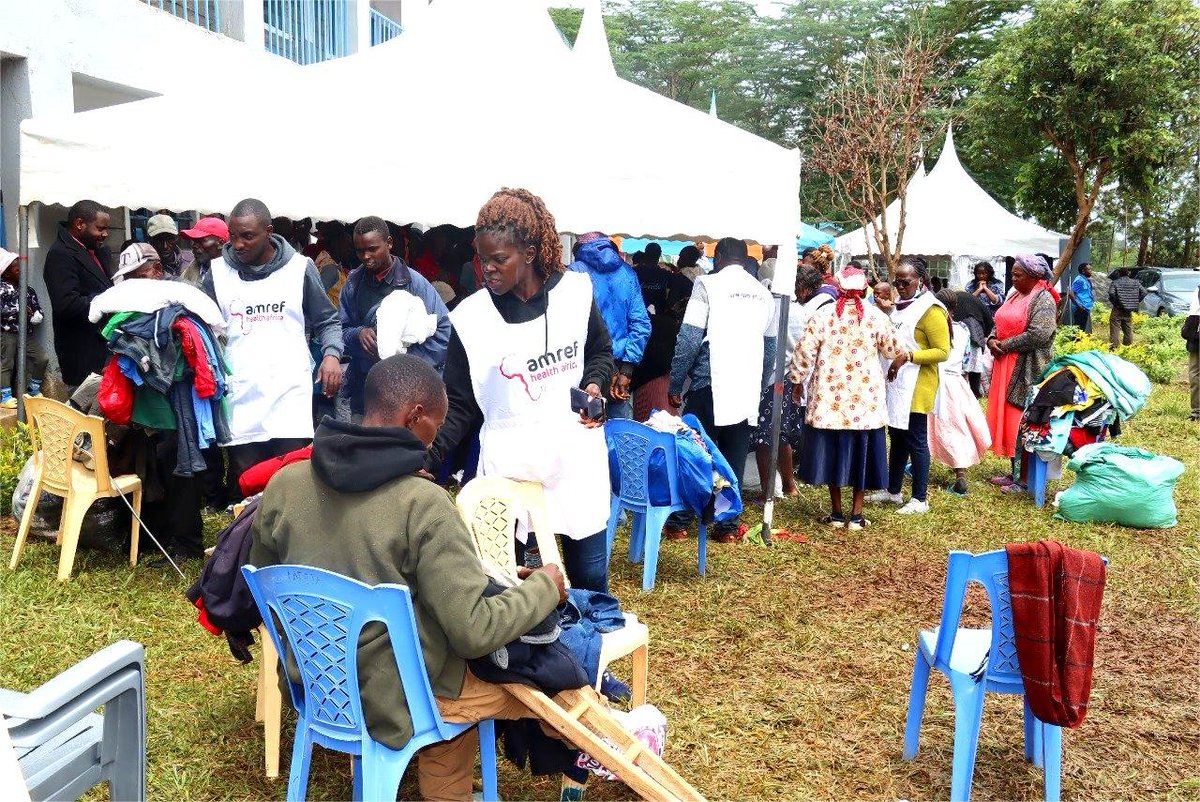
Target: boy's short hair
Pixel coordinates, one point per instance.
(399, 380)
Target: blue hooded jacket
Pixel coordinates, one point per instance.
(619, 298)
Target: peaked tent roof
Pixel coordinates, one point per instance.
(948, 214)
(591, 43)
(483, 123)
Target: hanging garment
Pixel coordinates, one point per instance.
(522, 375)
(402, 321)
(740, 315)
(901, 389)
(270, 386)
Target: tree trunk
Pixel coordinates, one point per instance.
(1144, 242)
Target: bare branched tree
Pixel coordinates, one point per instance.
(867, 132)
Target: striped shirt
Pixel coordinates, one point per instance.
(1126, 294)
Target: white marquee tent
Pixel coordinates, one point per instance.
(424, 128)
(948, 214)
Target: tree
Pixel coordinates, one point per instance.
(868, 131)
(1094, 83)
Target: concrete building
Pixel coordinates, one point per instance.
(65, 56)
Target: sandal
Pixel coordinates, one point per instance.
(837, 521)
(1003, 481)
(1015, 487)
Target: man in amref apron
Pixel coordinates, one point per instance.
(270, 295)
(727, 347)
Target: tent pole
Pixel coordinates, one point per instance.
(22, 380)
(768, 481)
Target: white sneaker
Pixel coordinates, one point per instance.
(884, 497)
(914, 507)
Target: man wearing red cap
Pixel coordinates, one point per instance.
(208, 236)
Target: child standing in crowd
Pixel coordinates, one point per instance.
(10, 307)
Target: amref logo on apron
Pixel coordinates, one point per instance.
(248, 315)
(533, 371)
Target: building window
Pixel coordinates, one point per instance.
(307, 31)
(383, 28)
(205, 13)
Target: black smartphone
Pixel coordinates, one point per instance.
(587, 405)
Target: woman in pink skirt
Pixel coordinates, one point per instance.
(958, 429)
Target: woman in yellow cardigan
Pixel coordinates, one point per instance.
(923, 328)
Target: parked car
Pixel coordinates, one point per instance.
(1169, 292)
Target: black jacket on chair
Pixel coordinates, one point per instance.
(73, 279)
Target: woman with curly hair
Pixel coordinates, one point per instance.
(515, 354)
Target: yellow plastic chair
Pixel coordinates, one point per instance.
(55, 431)
(491, 506)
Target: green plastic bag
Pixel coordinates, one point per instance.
(1123, 485)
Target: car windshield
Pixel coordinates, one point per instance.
(1179, 282)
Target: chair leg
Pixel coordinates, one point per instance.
(127, 772)
(301, 763)
(1037, 479)
(135, 528)
(641, 674)
(382, 771)
(1030, 724)
(270, 704)
(653, 523)
(916, 705)
(1052, 759)
(702, 546)
(75, 507)
(356, 778)
(487, 760)
(614, 518)
(968, 712)
(26, 521)
(637, 536)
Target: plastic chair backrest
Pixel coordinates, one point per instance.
(322, 614)
(491, 506)
(57, 427)
(634, 443)
(989, 569)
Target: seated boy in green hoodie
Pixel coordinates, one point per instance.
(364, 507)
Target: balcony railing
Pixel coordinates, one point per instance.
(205, 13)
(383, 28)
(307, 31)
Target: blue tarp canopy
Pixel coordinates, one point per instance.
(810, 237)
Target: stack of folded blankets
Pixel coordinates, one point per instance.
(167, 370)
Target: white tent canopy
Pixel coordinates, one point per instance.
(479, 96)
(948, 214)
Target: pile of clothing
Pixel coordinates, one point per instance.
(167, 370)
(1083, 398)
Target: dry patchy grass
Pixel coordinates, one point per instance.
(784, 673)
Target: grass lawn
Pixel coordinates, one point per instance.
(784, 673)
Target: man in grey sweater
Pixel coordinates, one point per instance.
(271, 297)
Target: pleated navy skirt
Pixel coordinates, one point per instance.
(846, 458)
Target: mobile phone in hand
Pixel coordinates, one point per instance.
(587, 405)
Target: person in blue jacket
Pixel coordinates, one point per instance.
(380, 275)
(619, 297)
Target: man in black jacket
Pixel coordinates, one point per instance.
(76, 271)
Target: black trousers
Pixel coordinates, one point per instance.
(732, 441)
(175, 518)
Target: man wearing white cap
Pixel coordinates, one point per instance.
(163, 234)
(139, 260)
(10, 310)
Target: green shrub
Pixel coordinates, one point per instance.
(1157, 347)
(14, 453)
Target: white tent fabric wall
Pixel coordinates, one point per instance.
(437, 123)
(948, 214)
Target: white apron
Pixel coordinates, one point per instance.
(522, 375)
(901, 389)
(270, 386)
(740, 314)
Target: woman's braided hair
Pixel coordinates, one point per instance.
(523, 218)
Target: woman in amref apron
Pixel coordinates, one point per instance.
(515, 353)
(923, 328)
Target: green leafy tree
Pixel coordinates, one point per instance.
(1096, 82)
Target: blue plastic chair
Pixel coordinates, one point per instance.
(977, 661)
(322, 614)
(633, 444)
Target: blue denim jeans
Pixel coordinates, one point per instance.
(911, 443)
(586, 560)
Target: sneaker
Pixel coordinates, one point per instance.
(614, 690)
(857, 522)
(9, 403)
(884, 497)
(914, 507)
(836, 520)
(959, 488)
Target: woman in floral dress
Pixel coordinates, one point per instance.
(838, 361)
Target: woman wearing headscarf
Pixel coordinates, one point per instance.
(1021, 344)
(838, 362)
(923, 328)
(515, 353)
(958, 432)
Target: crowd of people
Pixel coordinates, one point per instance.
(378, 358)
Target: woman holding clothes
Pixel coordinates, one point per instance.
(1022, 345)
(838, 362)
(515, 354)
(923, 328)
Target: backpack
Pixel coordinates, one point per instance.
(221, 593)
